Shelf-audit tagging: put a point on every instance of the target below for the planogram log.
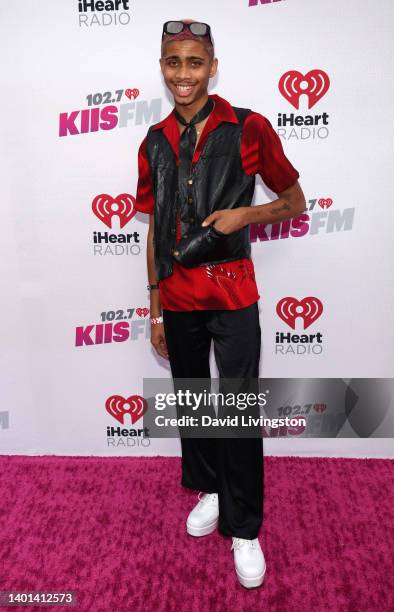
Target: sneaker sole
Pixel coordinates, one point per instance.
(249, 583)
(201, 531)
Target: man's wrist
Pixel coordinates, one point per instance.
(249, 214)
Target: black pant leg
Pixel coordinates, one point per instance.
(188, 343)
(237, 342)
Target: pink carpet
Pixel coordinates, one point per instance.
(112, 530)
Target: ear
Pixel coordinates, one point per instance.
(214, 67)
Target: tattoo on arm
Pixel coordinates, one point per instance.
(279, 209)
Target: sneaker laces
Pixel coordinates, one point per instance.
(210, 498)
(239, 542)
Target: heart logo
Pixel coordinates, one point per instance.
(105, 207)
(132, 93)
(314, 84)
(319, 407)
(142, 312)
(309, 309)
(325, 202)
(135, 405)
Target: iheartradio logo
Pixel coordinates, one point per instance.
(314, 84)
(105, 207)
(118, 406)
(132, 93)
(289, 309)
(320, 408)
(325, 202)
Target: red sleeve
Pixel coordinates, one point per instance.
(262, 153)
(144, 200)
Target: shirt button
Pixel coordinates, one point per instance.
(175, 252)
(190, 200)
(190, 181)
(192, 219)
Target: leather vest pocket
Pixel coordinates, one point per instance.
(207, 244)
(218, 232)
(199, 246)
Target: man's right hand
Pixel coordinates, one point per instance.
(158, 339)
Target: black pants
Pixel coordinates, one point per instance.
(231, 467)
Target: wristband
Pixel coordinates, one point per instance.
(155, 320)
(150, 287)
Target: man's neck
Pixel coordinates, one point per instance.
(188, 111)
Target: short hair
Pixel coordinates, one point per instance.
(188, 35)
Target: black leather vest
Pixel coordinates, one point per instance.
(217, 182)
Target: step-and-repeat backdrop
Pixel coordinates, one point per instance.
(81, 85)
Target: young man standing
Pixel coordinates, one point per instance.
(197, 170)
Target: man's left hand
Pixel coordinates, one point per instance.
(228, 220)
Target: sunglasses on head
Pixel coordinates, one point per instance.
(196, 27)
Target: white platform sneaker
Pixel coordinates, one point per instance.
(249, 562)
(203, 519)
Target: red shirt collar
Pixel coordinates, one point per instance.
(222, 111)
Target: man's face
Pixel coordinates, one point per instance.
(187, 68)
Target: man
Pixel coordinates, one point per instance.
(197, 169)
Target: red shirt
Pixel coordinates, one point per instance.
(229, 285)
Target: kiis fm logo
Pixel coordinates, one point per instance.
(105, 207)
(308, 310)
(331, 407)
(123, 330)
(316, 419)
(318, 219)
(103, 12)
(130, 408)
(110, 116)
(313, 86)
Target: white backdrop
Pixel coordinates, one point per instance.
(55, 59)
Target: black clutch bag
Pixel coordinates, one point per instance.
(200, 247)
